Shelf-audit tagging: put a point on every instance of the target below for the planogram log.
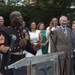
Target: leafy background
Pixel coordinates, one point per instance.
(41, 11)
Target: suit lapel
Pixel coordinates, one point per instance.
(68, 34)
(62, 34)
(73, 36)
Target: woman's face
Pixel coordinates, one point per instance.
(55, 21)
(33, 25)
(73, 27)
(41, 27)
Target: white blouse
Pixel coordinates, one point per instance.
(34, 37)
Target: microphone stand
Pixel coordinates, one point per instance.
(51, 34)
(9, 55)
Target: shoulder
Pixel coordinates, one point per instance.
(68, 28)
(37, 31)
(72, 33)
(4, 30)
(3, 34)
(44, 30)
(30, 32)
(57, 29)
(47, 28)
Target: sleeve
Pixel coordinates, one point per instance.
(47, 33)
(4, 42)
(72, 44)
(29, 48)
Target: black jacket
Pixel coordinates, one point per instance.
(7, 33)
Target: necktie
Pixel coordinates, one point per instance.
(64, 30)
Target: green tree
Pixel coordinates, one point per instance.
(42, 11)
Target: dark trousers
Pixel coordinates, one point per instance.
(72, 66)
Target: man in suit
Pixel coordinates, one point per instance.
(72, 69)
(62, 41)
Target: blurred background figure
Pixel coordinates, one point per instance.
(72, 69)
(1, 22)
(35, 38)
(69, 24)
(44, 44)
(52, 26)
(63, 43)
(1, 26)
(23, 25)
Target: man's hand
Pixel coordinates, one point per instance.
(36, 47)
(23, 42)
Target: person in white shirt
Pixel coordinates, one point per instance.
(35, 38)
(51, 27)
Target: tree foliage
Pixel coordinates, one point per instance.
(42, 11)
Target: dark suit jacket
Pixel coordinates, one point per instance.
(62, 42)
(73, 43)
(7, 32)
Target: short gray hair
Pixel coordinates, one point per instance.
(62, 18)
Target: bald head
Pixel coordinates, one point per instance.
(1, 21)
(16, 18)
(14, 14)
(63, 21)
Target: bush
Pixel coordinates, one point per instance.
(34, 13)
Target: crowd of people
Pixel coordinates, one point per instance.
(37, 40)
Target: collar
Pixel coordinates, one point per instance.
(73, 32)
(63, 27)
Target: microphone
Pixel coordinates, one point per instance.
(12, 41)
(51, 33)
(23, 33)
(13, 38)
